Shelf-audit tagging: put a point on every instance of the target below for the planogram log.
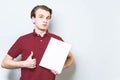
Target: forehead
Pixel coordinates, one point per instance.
(42, 12)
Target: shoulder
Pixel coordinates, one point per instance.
(56, 36)
(25, 37)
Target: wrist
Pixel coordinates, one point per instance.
(22, 64)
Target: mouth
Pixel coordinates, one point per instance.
(44, 25)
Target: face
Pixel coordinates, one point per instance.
(41, 19)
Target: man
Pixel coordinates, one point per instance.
(32, 47)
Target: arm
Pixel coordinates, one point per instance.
(9, 62)
(69, 60)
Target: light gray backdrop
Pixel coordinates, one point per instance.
(91, 26)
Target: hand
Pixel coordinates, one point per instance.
(29, 62)
(54, 72)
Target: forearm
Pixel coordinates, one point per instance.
(69, 61)
(9, 63)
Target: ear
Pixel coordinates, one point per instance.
(33, 20)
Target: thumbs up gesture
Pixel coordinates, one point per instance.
(30, 62)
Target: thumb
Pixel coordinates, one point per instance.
(30, 56)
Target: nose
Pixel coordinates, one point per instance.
(45, 20)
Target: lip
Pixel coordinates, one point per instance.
(44, 25)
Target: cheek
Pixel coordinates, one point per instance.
(48, 21)
(38, 21)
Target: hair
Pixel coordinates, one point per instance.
(40, 7)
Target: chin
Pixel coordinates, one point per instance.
(43, 29)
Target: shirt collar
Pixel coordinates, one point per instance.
(35, 34)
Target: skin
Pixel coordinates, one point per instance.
(41, 21)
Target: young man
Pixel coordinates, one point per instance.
(32, 46)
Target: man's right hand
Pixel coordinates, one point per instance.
(30, 62)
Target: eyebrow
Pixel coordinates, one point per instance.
(43, 15)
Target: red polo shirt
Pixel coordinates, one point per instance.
(33, 42)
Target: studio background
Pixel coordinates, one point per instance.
(91, 26)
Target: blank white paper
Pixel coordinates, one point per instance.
(55, 55)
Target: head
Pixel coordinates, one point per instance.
(41, 16)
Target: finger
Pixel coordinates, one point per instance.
(30, 56)
(54, 72)
(34, 64)
(34, 60)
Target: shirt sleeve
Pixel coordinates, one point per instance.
(57, 37)
(16, 48)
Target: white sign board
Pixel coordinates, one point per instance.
(55, 55)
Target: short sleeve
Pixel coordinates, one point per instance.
(16, 48)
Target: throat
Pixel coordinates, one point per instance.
(40, 32)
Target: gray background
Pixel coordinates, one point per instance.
(91, 26)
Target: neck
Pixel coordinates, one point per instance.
(40, 32)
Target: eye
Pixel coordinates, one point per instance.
(48, 18)
(41, 16)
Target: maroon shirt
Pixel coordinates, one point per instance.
(33, 42)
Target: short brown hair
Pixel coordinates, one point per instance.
(40, 7)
